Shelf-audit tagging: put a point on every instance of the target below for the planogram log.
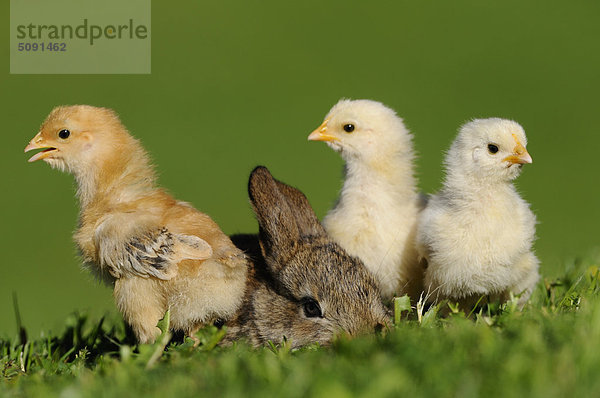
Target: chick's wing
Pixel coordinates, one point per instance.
(155, 253)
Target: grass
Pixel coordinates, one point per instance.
(549, 349)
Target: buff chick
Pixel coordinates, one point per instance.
(376, 213)
(476, 234)
(157, 252)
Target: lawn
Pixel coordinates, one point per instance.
(550, 349)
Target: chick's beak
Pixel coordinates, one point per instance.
(320, 134)
(37, 142)
(520, 154)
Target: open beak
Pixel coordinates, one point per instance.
(38, 143)
(520, 155)
(320, 134)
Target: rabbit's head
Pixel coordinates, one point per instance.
(305, 288)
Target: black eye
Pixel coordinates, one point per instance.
(312, 308)
(492, 148)
(348, 128)
(64, 134)
(219, 323)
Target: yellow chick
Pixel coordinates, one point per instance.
(476, 234)
(157, 252)
(376, 213)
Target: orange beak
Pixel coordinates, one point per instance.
(37, 142)
(320, 133)
(520, 154)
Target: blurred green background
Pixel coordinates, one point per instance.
(235, 84)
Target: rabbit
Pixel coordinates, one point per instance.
(302, 287)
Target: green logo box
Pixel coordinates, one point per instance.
(80, 37)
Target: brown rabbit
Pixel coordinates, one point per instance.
(303, 287)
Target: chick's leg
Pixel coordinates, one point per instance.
(528, 266)
(142, 304)
(191, 333)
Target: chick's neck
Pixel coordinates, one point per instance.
(121, 176)
(463, 186)
(391, 173)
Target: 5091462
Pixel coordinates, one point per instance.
(57, 47)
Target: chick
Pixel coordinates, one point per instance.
(157, 252)
(376, 213)
(476, 234)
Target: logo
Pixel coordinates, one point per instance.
(80, 36)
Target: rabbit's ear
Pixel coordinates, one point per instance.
(284, 214)
(306, 219)
(277, 225)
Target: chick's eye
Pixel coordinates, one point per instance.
(311, 308)
(348, 128)
(64, 134)
(492, 148)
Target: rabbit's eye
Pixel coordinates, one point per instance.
(311, 308)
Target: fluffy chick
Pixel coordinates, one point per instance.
(157, 252)
(476, 234)
(376, 213)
